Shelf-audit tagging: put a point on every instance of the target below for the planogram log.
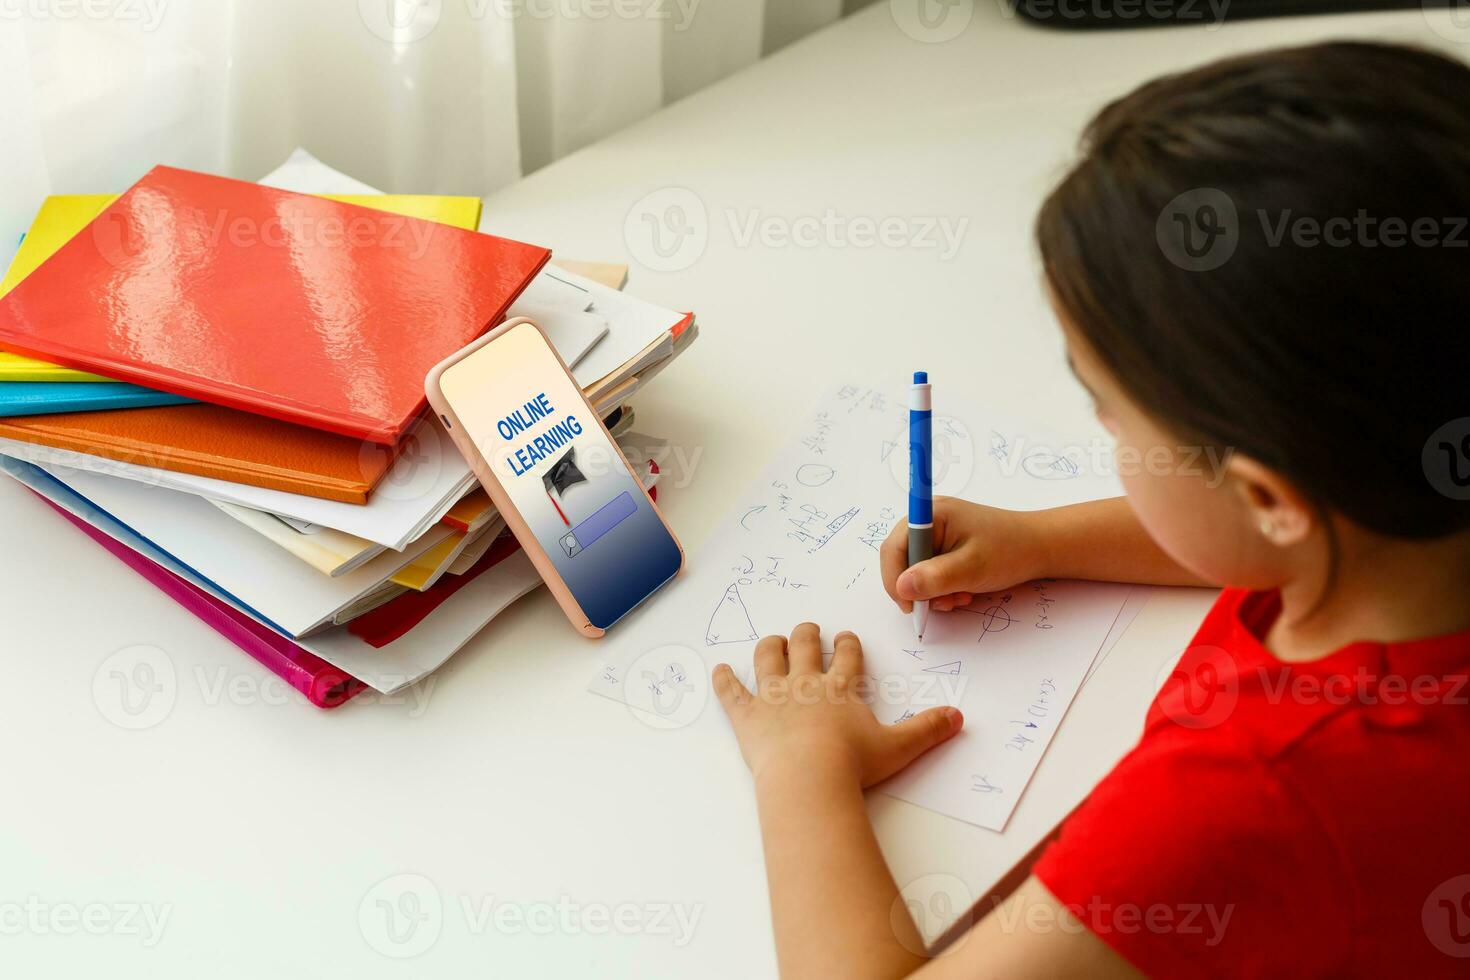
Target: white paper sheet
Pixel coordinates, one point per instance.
(426, 480)
(386, 669)
(572, 332)
(289, 593)
(802, 544)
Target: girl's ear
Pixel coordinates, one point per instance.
(1280, 513)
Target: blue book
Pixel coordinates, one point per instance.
(46, 397)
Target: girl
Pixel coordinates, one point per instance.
(1236, 267)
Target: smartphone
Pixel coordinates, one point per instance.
(556, 475)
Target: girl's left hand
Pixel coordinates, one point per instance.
(803, 716)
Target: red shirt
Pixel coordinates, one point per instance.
(1284, 819)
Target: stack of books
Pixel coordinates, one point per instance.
(222, 384)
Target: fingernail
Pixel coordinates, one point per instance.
(955, 719)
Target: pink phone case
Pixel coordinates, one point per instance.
(501, 499)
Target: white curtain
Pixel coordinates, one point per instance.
(414, 96)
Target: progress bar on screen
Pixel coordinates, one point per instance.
(609, 516)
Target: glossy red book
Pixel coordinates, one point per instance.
(292, 306)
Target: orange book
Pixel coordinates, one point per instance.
(208, 440)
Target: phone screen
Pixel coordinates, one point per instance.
(529, 421)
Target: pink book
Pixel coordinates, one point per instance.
(324, 685)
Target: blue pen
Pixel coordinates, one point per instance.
(921, 486)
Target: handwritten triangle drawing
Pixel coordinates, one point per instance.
(730, 622)
(953, 667)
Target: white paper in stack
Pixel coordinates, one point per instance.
(388, 668)
(276, 587)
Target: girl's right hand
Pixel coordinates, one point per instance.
(977, 549)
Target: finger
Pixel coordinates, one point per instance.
(804, 651)
(919, 734)
(939, 576)
(955, 600)
(893, 558)
(770, 657)
(847, 655)
(733, 695)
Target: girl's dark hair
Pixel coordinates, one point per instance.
(1330, 358)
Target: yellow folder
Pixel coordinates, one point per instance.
(62, 216)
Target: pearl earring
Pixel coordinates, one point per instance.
(1267, 528)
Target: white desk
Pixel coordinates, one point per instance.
(262, 827)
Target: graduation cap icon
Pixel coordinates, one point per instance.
(563, 475)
